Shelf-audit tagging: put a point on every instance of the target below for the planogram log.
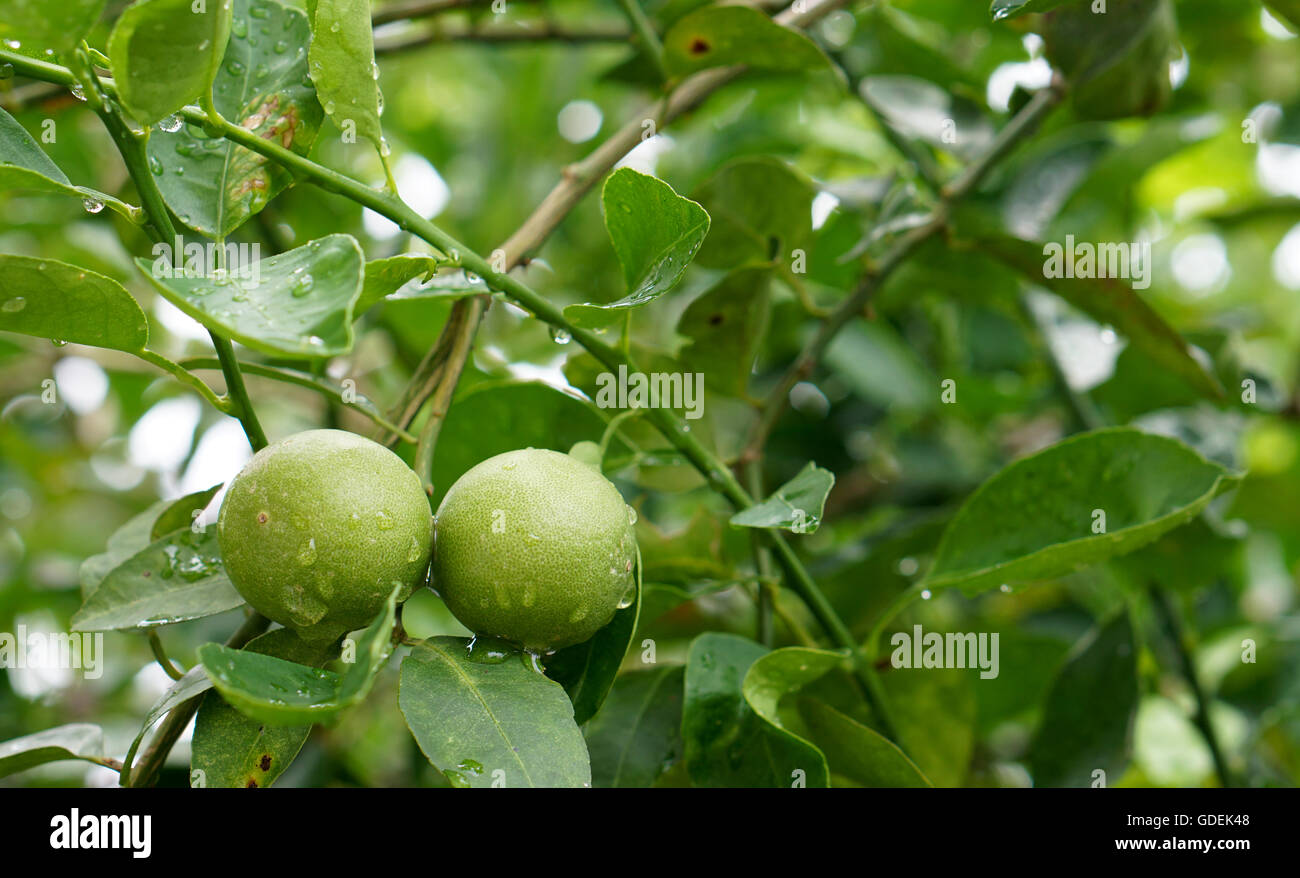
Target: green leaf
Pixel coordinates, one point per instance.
(795, 506)
(212, 184)
(24, 165)
(127, 540)
(637, 733)
(73, 741)
(287, 693)
(933, 710)
(587, 670)
(383, 277)
(55, 300)
(174, 579)
(1088, 718)
(725, 328)
(1003, 9)
(297, 304)
(485, 724)
(343, 67)
(182, 513)
(655, 233)
(1111, 302)
(716, 36)
(761, 210)
(773, 677)
(1117, 63)
(1035, 519)
(500, 416)
(48, 24)
(164, 54)
(727, 744)
(232, 750)
(857, 752)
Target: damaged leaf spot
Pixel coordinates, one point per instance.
(251, 785)
(716, 319)
(699, 45)
(266, 762)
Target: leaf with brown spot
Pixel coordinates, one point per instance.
(214, 186)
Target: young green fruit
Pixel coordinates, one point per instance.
(535, 547)
(318, 529)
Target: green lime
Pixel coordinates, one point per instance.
(535, 547)
(318, 529)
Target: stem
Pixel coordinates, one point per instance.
(145, 773)
(238, 393)
(762, 562)
(440, 400)
(180, 373)
(361, 405)
(132, 151)
(901, 601)
(160, 655)
(1172, 625)
(646, 35)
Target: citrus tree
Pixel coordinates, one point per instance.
(675, 393)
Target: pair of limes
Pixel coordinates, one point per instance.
(532, 546)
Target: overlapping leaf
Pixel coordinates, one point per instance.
(165, 54)
(495, 722)
(298, 303)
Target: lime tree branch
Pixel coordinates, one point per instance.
(522, 34)
(159, 223)
(1021, 126)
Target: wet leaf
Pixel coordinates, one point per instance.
(55, 300)
(490, 723)
(73, 741)
(165, 53)
(795, 506)
(210, 183)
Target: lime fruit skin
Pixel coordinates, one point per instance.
(318, 529)
(535, 547)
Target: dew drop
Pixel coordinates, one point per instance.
(302, 286)
(413, 552)
(6, 71)
(239, 28)
(92, 205)
(631, 515)
(384, 520)
(58, 342)
(171, 124)
(155, 166)
(78, 92)
(14, 305)
(560, 336)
